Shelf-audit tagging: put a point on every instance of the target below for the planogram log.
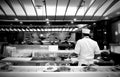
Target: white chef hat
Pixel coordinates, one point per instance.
(86, 31)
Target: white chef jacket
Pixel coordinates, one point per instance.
(86, 48)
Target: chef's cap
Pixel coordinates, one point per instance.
(86, 31)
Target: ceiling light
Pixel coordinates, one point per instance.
(27, 30)
(2, 29)
(16, 19)
(34, 30)
(11, 29)
(72, 22)
(52, 29)
(42, 29)
(81, 25)
(74, 19)
(47, 19)
(45, 29)
(56, 29)
(67, 29)
(38, 29)
(21, 22)
(60, 29)
(70, 29)
(7, 29)
(19, 30)
(15, 29)
(48, 22)
(63, 29)
(31, 29)
(49, 29)
(94, 23)
(75, 29)
(23, 29)
(106, 18)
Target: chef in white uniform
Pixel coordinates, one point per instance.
(86, 48)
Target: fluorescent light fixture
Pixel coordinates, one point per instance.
(75, 29)
(88, 20)
(11, 29)
(56, 29)
(63, 29)
(31, 29)
(27, 30)
(42, 29)
(23, 29)
(81, 25)
(14, 29)
(70, 29)
(34, 30)
(45, 29)
(67, 29)
(7, 29)
(52, 29)
(2, 29)
(38, 29)
(60, 29)
(49, 29)
(19, 29)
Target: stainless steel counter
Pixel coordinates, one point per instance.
(75, 71)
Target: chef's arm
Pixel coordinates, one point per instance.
(77, 48)
(74, 54)
(97, 52)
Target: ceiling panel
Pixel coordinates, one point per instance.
(94, 7)
(6, 8)
(40, 7)
(1, 12)
(86, 8)
(103, 8)
(83, 8)
(72, 8)
(57, 10)
(29, 7)
(16, 5)
(114, 8)
(51, 7)
(61, 7)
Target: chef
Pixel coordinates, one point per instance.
(86, 48)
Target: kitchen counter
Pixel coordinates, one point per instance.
(75, 71)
